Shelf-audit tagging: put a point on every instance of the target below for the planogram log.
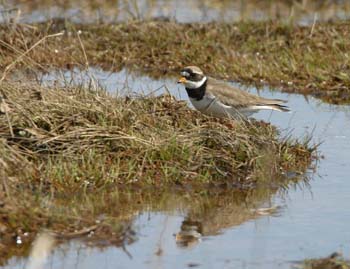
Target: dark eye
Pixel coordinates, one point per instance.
(195, 76)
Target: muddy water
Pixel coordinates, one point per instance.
(179, 10)
(308, 222)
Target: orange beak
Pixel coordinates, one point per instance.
(182, 80)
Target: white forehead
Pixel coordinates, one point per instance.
(194, 69)
(185, 74)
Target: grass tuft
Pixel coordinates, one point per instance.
(61, 144)
(86, 137)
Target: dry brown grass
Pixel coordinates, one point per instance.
(60, 146)
(311, 60)
(155, 140)
(71, 155)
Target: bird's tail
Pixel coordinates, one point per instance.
(279, 107)
(275, 104)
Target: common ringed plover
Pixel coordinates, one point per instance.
(218, 99)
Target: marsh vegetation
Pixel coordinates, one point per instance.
(83, 162)
(308, 60)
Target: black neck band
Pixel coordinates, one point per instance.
(197, 93)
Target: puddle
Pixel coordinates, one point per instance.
(182, 223)
(309, 222)
(120, 83)
(184, 11)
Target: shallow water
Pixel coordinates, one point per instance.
(179, 10)
(310, 222)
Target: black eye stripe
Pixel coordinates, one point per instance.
(191, 75)
(197, 76)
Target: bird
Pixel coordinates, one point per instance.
(216, 98)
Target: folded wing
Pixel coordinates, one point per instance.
(237, 98)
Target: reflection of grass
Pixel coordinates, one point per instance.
(69, 157)
(298, 59)
(335, 261)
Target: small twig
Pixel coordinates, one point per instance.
(9, 123)
(313, 25)
(5, 186)
(77, 233)
(126, 251)
(83, 49)
(2, 101)
(8, 68)
(18, 51)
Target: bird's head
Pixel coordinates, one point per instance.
(192, 77)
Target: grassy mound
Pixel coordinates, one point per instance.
(69, 155)
(73, 138)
